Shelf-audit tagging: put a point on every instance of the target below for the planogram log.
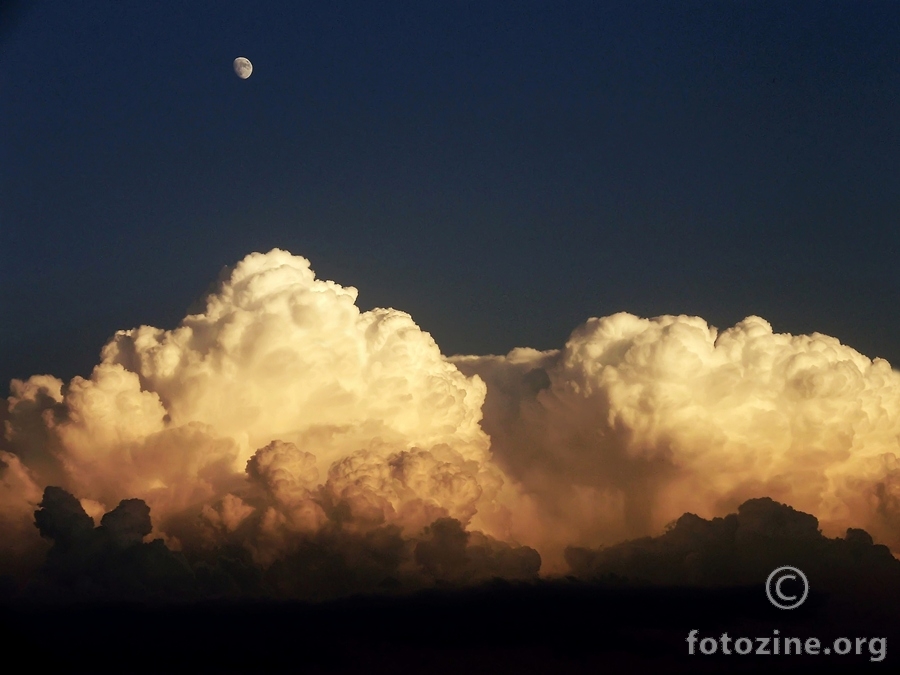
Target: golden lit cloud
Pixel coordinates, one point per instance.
(282, 412)
(637, 421)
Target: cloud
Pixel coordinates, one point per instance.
(280, 431)
(110, 562)
(277, 362)
(449, 553)
(113, 562)
(636, 421)
(21, 549)
(743, 548)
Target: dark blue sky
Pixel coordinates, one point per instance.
(500, 170)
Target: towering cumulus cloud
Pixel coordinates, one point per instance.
(280, 406)
(637, 421)
(320, 449)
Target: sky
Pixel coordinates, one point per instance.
(501, 171)
(445, 292)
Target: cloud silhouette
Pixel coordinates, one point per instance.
(742, 549)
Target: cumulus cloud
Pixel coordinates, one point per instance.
(636, 421)
(744, 547)
(277, 412)
(109, 562)
(287, 440)
(113, 561)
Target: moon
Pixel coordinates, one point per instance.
(242, 67)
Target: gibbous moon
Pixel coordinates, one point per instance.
(242, 67)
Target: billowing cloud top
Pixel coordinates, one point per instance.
(282, 415)
(281, 354)
(637, 421)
